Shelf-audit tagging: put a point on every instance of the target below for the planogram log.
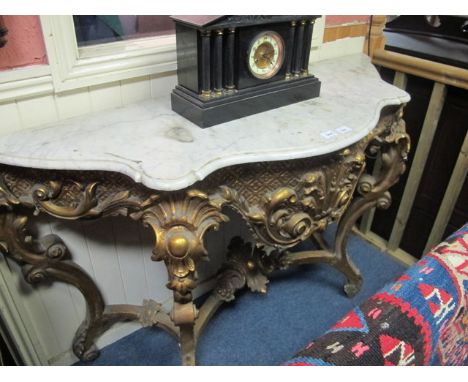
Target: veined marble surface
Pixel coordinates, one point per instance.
(155, 146)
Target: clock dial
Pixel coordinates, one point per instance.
(266, 55)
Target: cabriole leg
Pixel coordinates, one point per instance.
(47, 259)
(393, 144)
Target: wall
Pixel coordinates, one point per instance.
(122, 269)
(334, 20)
(25, 44)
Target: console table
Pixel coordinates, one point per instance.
(288, 172)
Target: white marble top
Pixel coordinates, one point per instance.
(153, 145)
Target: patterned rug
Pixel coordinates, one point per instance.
(420, 319)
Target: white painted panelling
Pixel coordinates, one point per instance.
(9, 118)
(337, 48)
(127, 245)
(27, 82)
(55, 296)
(24, 73)
(319, 29)
(105, 96)
(162, 84)
(17, 318)
(72, 235)
(59, 306)
(37, 111)
(135, 89)
(73, 103)
(39, 321)
(105, 261)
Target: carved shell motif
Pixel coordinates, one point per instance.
(179, 222)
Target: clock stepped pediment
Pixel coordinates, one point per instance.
(208, 22)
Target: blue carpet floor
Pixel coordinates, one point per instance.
(301, 304)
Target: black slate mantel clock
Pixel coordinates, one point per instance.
(229, 67)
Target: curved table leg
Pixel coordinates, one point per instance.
(393, 143)
(394, 147)
(48, 259)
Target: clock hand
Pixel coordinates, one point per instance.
(267, 57)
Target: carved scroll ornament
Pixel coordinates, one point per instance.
(288, 215)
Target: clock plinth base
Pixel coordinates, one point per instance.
(243, 102)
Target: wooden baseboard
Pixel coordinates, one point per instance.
(398, 254)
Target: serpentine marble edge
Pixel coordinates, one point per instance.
(155, 146)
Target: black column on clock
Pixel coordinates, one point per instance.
(218, 62)
(229, 55)
(309, 28)
(298, 45)
(205, 62)
(289, 56)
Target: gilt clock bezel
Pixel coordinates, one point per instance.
(281, 53)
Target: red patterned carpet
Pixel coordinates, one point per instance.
(421, 319)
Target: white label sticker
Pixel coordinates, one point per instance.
(343, 129)
(328, 134)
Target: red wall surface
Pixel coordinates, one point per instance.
(339, 20)
(25, 44)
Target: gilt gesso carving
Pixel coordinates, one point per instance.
(283, 203)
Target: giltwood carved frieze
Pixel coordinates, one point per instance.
(315, 193)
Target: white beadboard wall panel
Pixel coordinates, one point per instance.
(337, 48)
(37, 111)
(127, 245)
(126, 281)
(39, 318)
(105, 261)
(16, 320)
(9, 117)
(61, 313)
(135, 89)
(24, 314)
(73, 103)
(319, 29)
(56, 297)
(162, 84)
(76, 245)
(105, 96)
